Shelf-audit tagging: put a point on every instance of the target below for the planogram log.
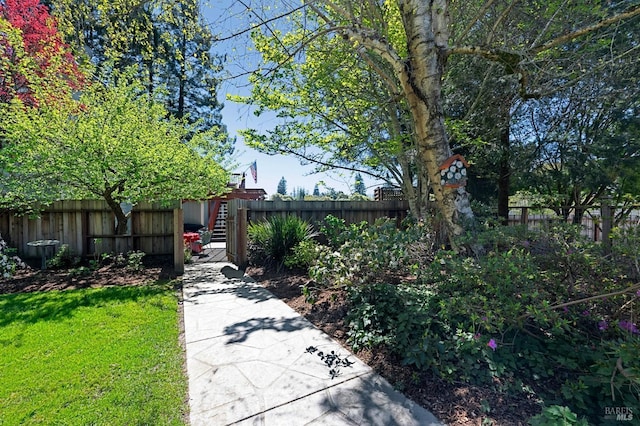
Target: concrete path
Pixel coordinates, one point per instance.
(252, 360)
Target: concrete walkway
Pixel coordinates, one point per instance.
(252, 360)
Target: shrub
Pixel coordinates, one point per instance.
(556, 415)
(134, 260)
(625, 249)
(385, 314)
(540, 312)
(63, 259)
(373, 254)
(188, 254)
(303, 255)
(8, 260)
(337, 232)
(272, 240)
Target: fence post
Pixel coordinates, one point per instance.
(606, 214)
(241, 237)
(524, 216)
(178, 240)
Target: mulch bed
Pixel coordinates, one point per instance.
(34, 279)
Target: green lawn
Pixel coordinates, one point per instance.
(106, 356)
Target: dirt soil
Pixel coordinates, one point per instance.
(456, 404)
(34, 279)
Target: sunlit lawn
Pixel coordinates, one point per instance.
(107, 356)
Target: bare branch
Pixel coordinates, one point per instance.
(503, 16)
(475, 19)
(262, 22)
(630, 13)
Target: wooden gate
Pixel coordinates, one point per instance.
(236, 233)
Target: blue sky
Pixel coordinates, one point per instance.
(227, 17)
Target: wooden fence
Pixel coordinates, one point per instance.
(596, 221)
(240, 213)
(316, 211)
(88, 228)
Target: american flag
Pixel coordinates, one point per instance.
(254, 171)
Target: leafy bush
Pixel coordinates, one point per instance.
(373, 254)
(8, 260)
(134, 260)
(556, 415)
(385, 314)
(272, 240)
(188, 253)
(625, 249)
(540, 312)
(63, 258)
(303, 255)
(337, 232)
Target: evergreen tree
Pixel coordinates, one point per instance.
(168, 42)
(282, 186)
(358, 186)
(299, 193)
(316, 191)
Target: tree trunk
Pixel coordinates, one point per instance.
(121, 217)
(504, 174)
(425, 24)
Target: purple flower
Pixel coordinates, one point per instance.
(477, 336)
(585, 313)
(629, 326)
(638, 293)
(602, 325)
(484, 318)
(492, 344)
(565, 309)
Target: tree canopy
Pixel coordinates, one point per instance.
(35, 64)
(168, 43)
(407, 45)
(115, 143)
(282, 186)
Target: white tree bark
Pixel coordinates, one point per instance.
(420, 75)
(426, 28)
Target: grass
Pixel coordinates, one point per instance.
(108, 356)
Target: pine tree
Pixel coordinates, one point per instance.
(358, 186)
(282, 186)
(316, 191)
(299, 193)
(170, 45)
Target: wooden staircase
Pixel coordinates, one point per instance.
(218, 220)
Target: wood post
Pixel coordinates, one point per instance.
(606, 213)
(524, 216)
(178, 240)
(241, 237)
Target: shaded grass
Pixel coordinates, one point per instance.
(93, 356)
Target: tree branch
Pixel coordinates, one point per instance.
(630, 13)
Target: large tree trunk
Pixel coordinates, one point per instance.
(504, 174)
(425, 24)
(121, 217)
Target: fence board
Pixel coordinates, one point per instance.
(312, 211)
(316, 211)
(88, 227)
